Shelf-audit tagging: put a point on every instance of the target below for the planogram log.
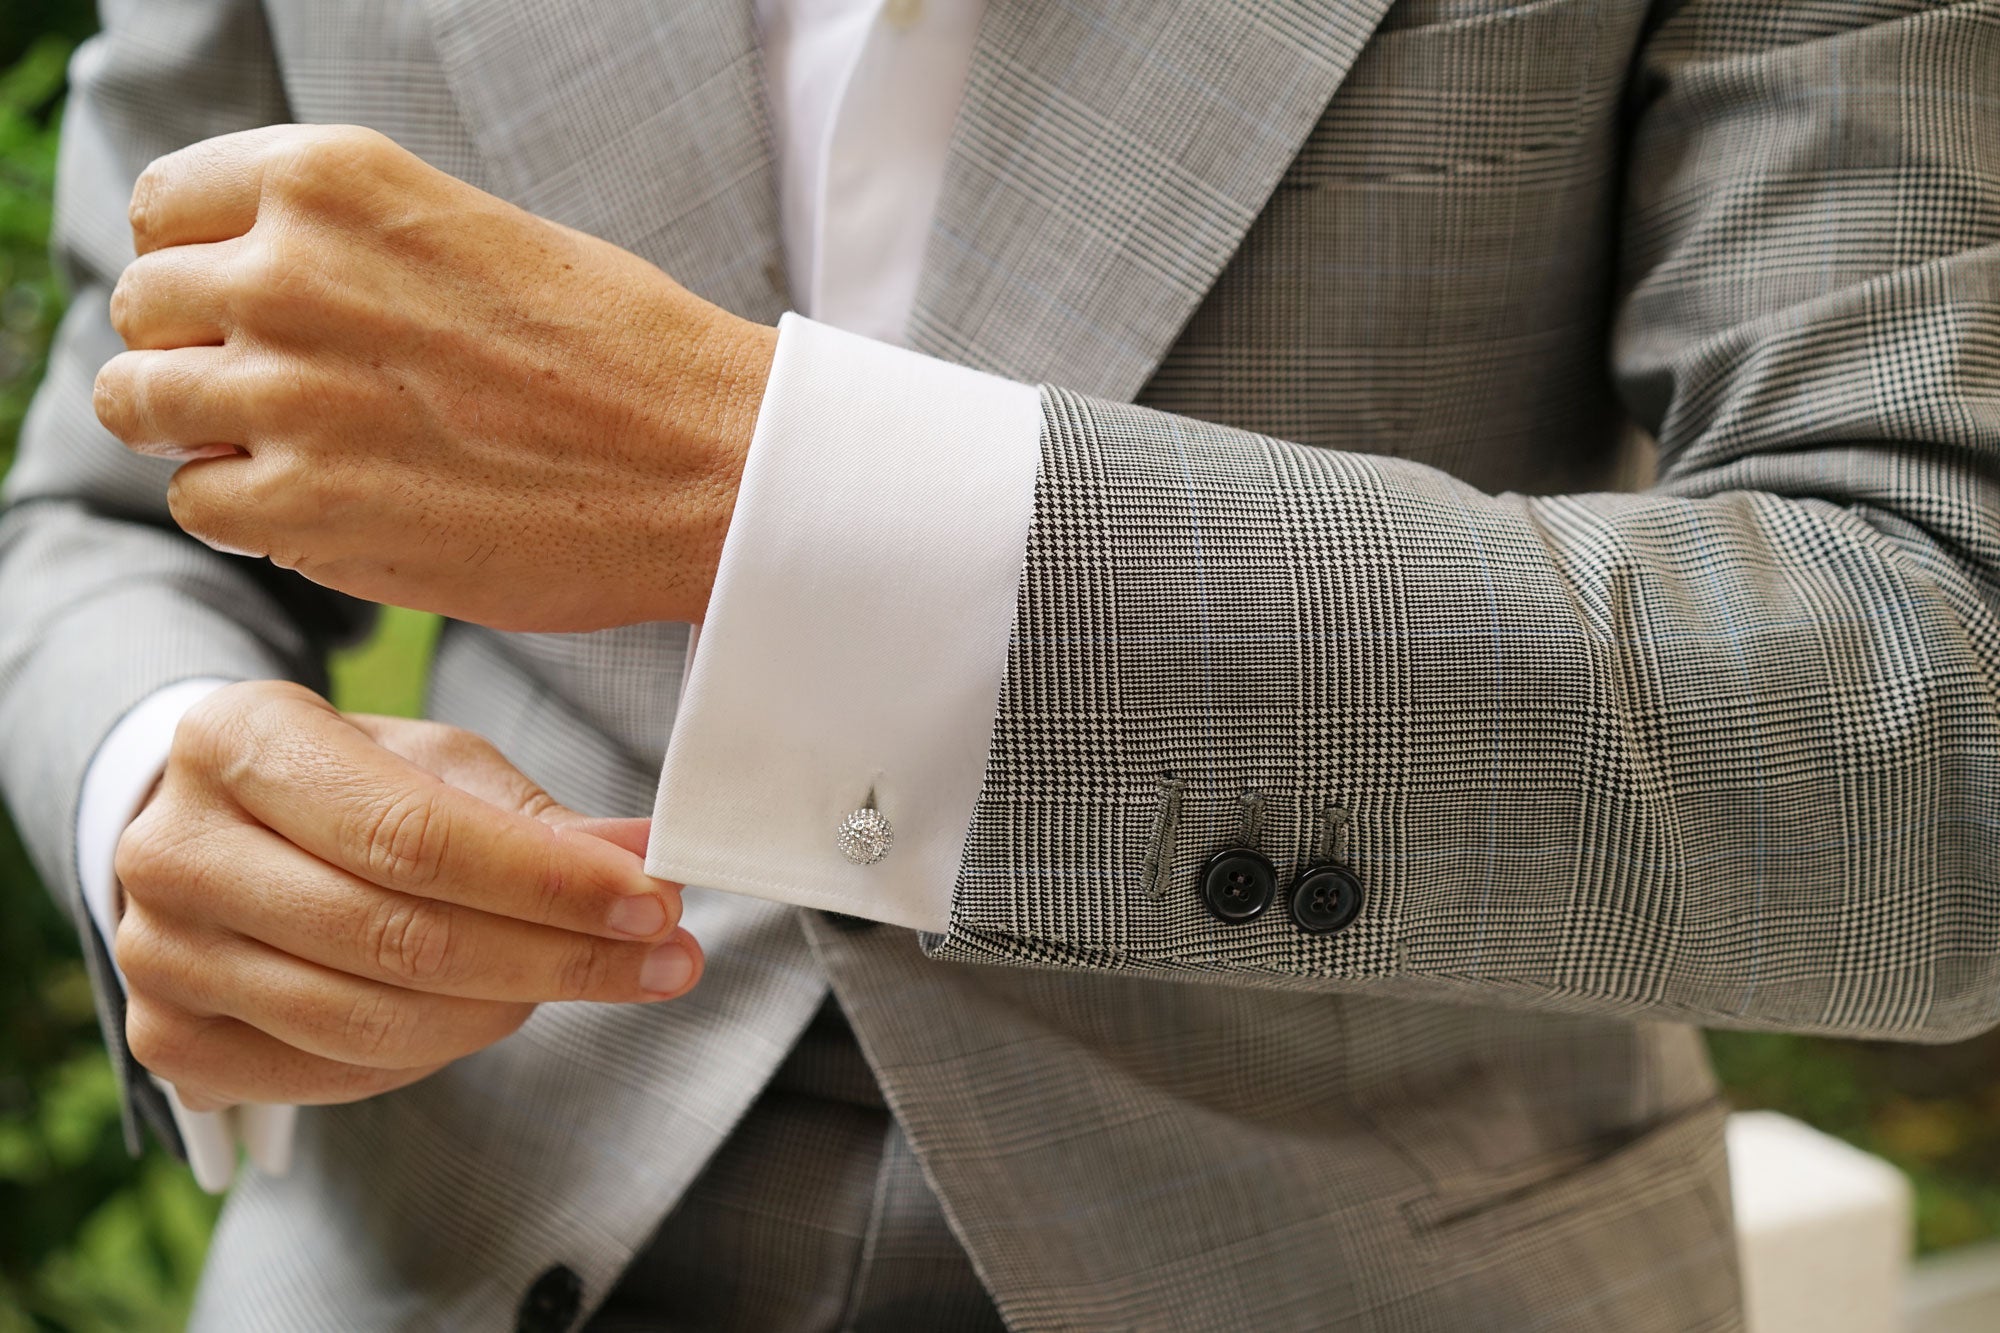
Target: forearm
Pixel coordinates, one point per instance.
(1686, 757)
(1722, 751)
(1607, 752)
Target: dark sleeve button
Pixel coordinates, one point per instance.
(1326, 898)
(551, 1305)
(1238, 884)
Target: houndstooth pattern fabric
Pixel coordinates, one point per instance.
(1728, 750)
(813, 1215)
(1394, 284)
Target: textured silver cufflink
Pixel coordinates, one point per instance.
(866, 835)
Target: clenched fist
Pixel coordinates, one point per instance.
(320, 907)
(414, 392)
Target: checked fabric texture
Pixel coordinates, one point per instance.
(1352, 311)
(1728, 750)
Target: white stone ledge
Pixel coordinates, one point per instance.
(1822, 1227)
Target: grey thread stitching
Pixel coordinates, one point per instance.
(1250, 810)
(1160, 851)
(1332, 823)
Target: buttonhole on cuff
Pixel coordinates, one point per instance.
(1250, 817)
(1158, 870)
(1332, 829)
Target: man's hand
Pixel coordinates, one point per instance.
(414, 392)
(321, 907)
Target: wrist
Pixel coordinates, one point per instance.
(743, 352)
(716, 402)
(736, 369)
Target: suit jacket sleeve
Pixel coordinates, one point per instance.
(1726, 751)
(102, 599)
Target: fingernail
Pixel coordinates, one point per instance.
(666, 970)
(641, 915)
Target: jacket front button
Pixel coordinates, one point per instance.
(552, 1303)
(1327, 898)
(1238, 884)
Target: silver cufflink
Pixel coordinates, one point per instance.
(866, 836)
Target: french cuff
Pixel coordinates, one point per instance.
(856, 637)
(115, 785)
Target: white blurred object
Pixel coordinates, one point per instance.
(1823, 1229)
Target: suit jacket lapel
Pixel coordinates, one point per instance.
(1108, 159)
(640, 121)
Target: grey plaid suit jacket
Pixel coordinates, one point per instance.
(1392, 284)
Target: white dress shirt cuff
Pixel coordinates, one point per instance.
(857, 634)
(115, 785)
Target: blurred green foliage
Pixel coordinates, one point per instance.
(29, 298)
(89, 1240)
(1932, 1110)
(92, 1242)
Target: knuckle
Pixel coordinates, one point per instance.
(359, 142)
(535, 803)
(584, 972)
(277, 275)
(317, 165)
(377, 1028)
(108, 398)
(458, 743)
(139, 854)
(269, 703)
(293, 167)
(407, 839)
(421, 740)
(115, 396)
(552, 885)
(123, 297)
(143, 211)
(160, 868)
(160, 1042)
(190, 508)
(238, 734)
(135, 946)
(347, 147)
(211, 734)
(412, 938)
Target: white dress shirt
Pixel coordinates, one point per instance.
(857, 633)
